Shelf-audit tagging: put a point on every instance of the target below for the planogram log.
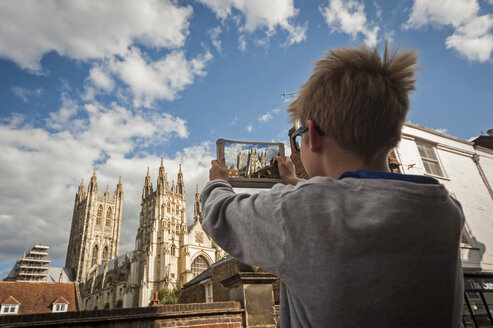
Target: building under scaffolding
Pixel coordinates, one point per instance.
(33, 266)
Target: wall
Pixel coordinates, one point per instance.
(464, 182)
(220, 315)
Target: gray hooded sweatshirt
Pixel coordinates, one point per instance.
(350, 252)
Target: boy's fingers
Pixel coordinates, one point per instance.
(278, 159)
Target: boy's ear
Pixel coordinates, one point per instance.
(315, 138)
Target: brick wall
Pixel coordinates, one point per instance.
(217, 321)
(220, 314)
(193, 294)
(219, 273)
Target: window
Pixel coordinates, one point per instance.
(108, 217)
(430, 159)
(173, 250)
(105, 254)
(208, 292)
(198, 265)
(94, 255)
(9, 309)
(60, 307)
(99, 217)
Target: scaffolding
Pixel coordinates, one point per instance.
(33, 266)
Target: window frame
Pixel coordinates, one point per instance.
(60, 307)
(429, 146)
(208, 290)
(195, 263)
(9, 308)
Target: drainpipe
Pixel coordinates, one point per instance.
(475, 158)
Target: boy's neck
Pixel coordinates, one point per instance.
(334, 161)
(336, 168)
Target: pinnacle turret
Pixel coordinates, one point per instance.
(119, 188)
(81, 193)
(147, 189)
(197, 207)
(180, 184)
(162, 180)
(93, 185)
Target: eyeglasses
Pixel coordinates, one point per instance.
(296, 136)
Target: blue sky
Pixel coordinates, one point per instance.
(115, 85)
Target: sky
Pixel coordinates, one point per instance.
(113, 86)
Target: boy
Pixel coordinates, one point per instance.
(355, 245)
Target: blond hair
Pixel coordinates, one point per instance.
(358, 98)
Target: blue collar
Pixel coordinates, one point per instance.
(367, 174)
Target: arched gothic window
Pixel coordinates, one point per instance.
(99, 218)
(94, 255)
(105, 254)
(169, 207)
(173, 249)
(108, 217)
(199, 265)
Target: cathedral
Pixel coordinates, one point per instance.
(167, 252)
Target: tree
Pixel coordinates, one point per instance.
(167, 296)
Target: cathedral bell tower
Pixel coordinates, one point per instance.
(95, 231)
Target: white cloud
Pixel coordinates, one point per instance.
(441, 130)
(259, 14)
(445, 12)
(242, 43)
(42, 169)
(350, 17)
(233, 122)
(101, 79)
(472, 35)
(473, 39)
(214, 34)
(269, 115)
(249, 128)
(266, 117)
(150, 80)
(25, 94)
(87, 29)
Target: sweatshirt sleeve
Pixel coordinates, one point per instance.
(249, 227)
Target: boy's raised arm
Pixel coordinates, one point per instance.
(246, 226)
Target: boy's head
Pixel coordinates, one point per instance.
(359, 98)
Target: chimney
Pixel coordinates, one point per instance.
(155, 301)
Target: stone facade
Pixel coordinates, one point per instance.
(167, 253)
(95, 231)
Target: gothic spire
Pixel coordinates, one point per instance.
(197, 207)
(180, 184)
(147, 189)
(93, 185)
(81, 193)
(161, 168)
(119, 187)
(162, 181)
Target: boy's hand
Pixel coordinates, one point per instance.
(287, 171)
(218, 171)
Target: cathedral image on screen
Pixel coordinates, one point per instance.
(167, 252)
(250, 160)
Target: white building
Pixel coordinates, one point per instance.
(466, 170)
